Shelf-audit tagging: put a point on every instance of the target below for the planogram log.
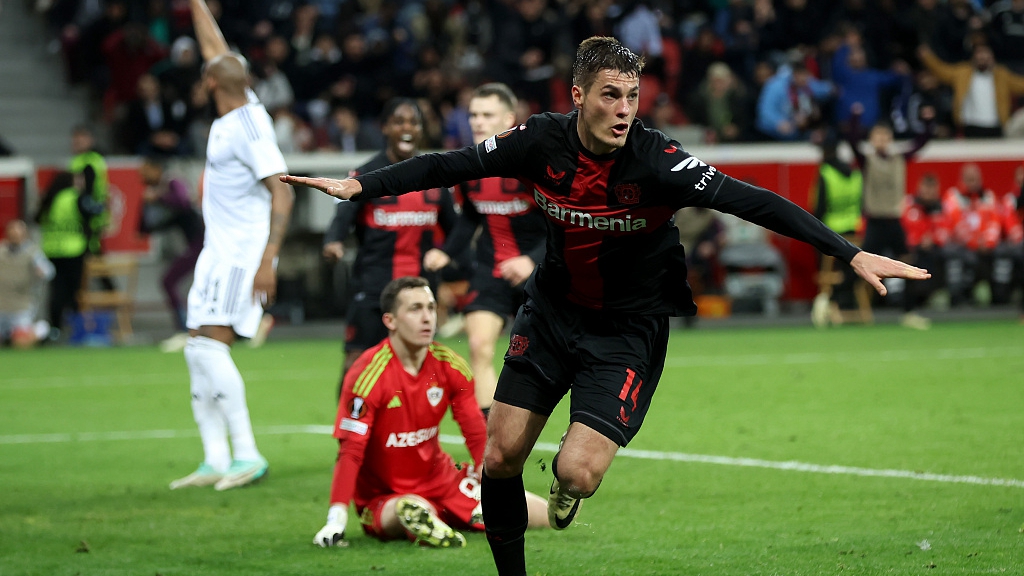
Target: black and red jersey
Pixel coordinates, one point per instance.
(394, 232)
(509, 221)
(611, 244)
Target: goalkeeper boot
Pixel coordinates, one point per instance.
(205, 475)
(562, 507)
(425, 526)
(243, 473)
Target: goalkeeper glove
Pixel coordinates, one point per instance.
(333, 533)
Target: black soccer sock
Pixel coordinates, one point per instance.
(505, 518)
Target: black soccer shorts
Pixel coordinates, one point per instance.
(364, 328)
(493, 295)
(611, 364)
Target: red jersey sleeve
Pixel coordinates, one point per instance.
(356, 413)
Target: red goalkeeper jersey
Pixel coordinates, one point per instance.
(388, 420)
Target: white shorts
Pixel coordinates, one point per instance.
(221, 295)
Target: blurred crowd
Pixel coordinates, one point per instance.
(741, 70)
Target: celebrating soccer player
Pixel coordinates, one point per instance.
(596, 315)
(246, 209)
(389, 459)
(394, 233)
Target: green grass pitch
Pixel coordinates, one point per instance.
(783, 451)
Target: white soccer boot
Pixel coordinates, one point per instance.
(205, 475)
(425, 525)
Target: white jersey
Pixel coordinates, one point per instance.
(241, 152)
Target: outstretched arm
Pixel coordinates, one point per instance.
(873, 268)
(211, 41)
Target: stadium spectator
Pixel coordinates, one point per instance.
(789, 105)
(246, 210)
(977, 230)
(929, 93)
(82, 45)
(928, 229)
(347, 133)
(720, 106)
(22, 266)
(856, 83)
(791, 24)
(180, 71)
(272, 86)
(154, 125)
(1006, 30)
(596, 315)
(64, 211)
(409, 489)
(590, 18)
(953, 38)
(639, 30)
(457, 131)
(509, 230)
(705, 50)
(983, 91)
(735, 26)
(394, 234)
(129, 53)
(166, 206)
(526, 40)
(922, 19)
(885, 182)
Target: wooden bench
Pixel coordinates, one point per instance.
(122, 272)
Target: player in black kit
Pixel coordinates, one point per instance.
(509, 246)
(395, 233)
(597, 308)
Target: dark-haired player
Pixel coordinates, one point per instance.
(390, 463)
(394, 232)
(597, 308)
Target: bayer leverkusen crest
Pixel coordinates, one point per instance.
(434, 395)
(627, 193)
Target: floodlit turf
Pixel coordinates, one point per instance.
(90, 438)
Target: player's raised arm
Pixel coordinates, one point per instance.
(211, 41)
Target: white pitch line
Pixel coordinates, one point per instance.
(145, 379)
(791, 465)
(157, 378)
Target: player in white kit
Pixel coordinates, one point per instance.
(246, 209)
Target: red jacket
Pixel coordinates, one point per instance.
(923, 224)
(976, 221)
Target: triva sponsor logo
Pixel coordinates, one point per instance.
(586, 219)
(693, 162)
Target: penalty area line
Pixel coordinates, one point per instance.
(789, 466)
